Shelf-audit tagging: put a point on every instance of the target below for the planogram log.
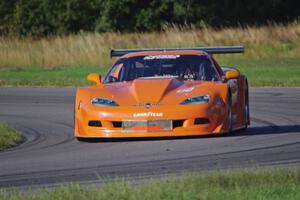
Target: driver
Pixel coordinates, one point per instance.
(190, 73)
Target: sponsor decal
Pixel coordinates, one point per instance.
(185, 90)
(161, 57)
(148, 114)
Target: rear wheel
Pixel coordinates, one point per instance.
(229, 115)
(246, 108)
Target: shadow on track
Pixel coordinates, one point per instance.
(265, 130)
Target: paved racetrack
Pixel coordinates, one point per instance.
(50, 155)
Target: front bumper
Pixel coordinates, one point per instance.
(184, 119)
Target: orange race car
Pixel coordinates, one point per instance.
(163, 92)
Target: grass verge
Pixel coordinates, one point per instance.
(271, 53)
(9, 137)
(262, 72)
(244, 184)
(273, 72)
(93, 49)
(59, 76)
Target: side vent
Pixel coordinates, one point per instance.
(177, 123)
(201, 121)
(95, 123)
(117, 124)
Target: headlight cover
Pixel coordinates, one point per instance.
(103, 102)
(201, 99)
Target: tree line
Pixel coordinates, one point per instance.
(55, 17)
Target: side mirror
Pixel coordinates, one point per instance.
(232, 74)
(94, 77)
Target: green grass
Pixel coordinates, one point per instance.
(260, 72)
(264, 184)
(280, 72)
(37, 76)
(9, 137)
(271, 58)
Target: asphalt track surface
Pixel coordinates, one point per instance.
(50, 155)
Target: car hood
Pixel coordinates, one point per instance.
(152, 90)
(147, 90)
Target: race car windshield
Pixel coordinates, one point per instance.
(186, 67)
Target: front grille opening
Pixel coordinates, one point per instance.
(95, 123)
(201, 121)
(177, 123)
(117, 124)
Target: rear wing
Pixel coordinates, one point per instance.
(209, 50)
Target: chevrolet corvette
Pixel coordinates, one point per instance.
(163, 93)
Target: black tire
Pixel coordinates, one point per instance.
(246, 107)
(229, 114)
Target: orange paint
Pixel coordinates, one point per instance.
(160, 99)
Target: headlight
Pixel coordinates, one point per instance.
(202, 99)
(103, 102)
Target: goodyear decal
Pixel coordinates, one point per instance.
(148, 114)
